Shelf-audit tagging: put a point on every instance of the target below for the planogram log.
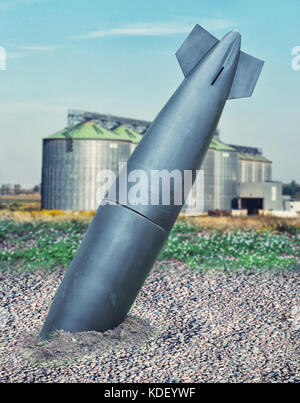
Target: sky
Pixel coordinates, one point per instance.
(118, 57)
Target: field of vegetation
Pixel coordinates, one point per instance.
(34, 239)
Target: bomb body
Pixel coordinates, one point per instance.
(124, 239)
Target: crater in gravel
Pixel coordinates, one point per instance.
(65, 347)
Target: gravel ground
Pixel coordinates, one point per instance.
(185, 326)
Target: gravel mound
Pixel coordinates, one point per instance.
(185, 326)
(65, 347)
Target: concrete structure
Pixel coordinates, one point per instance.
(255, 189)
(293, 206)
(255, 196)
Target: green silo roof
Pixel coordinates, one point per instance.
(218, 145)
(253, 157)
(92, 130)
(125, 131)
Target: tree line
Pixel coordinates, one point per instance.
(292, 189)
(8, 189)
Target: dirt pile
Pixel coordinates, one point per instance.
(69, 347)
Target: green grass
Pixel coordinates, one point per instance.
(50, 245)
(32, 246)
(248, 249)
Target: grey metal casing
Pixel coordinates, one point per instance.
(101, 283)
(124, 240)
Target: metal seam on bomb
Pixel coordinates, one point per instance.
(134, 211)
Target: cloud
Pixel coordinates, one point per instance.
(11, 4)
(28, 50)
(15, 55)
(157, 29)
(42, 48)
(135, 30)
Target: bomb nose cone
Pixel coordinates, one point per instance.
(232, 43)
(235, 37)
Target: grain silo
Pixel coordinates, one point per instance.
(73, 157)
(232, 176)
(253, 168)
(131, 134)
(220, 176)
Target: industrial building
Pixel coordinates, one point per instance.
(235, 177)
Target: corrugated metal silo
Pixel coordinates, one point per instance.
(220, 176)
(208, 167)
(225, 171)
(254, 168)
(72, 159)
(267, 171)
